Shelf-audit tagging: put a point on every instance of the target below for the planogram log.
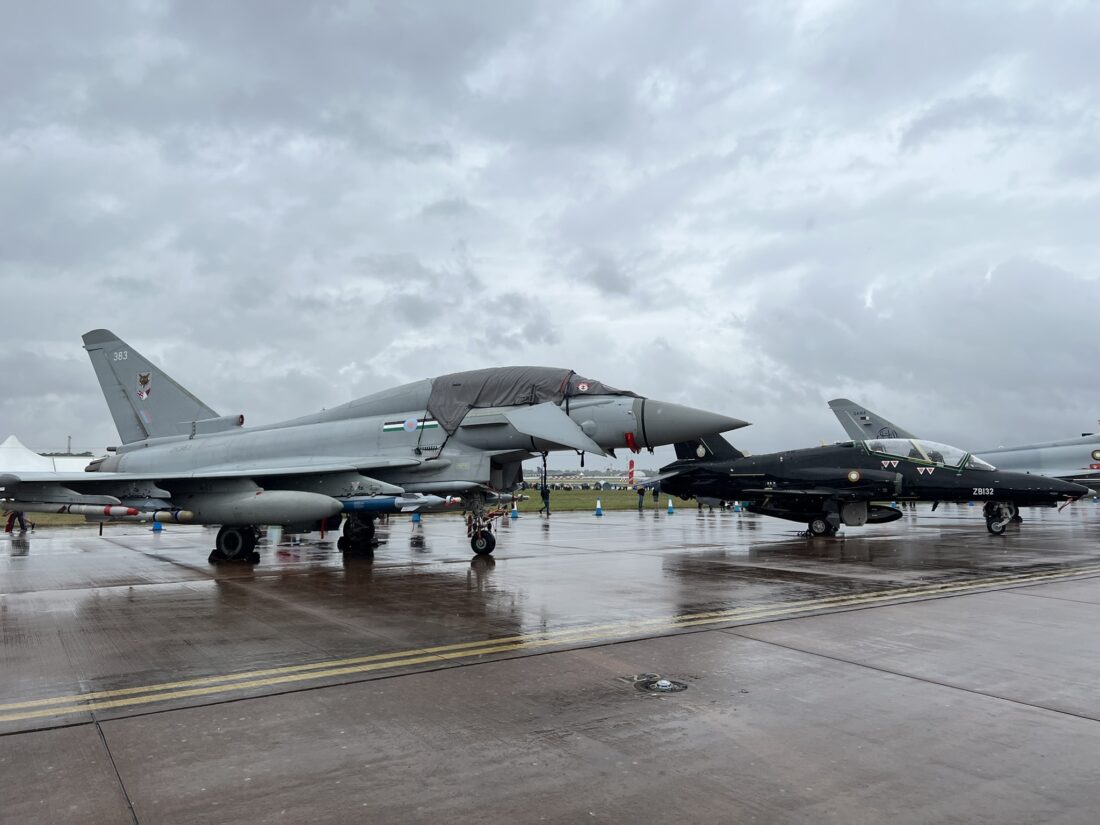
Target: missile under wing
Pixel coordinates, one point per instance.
(463, 434)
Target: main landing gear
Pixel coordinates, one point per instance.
(235, 544)
(358, 536)
(998, 515)
(821, 526)
(826, 523)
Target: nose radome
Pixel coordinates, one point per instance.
(666, 423)
(1069, 488)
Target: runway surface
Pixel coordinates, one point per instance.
(921, 671)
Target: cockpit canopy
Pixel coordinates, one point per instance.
(457, 393)
(929, 451)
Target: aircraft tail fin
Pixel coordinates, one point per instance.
(860, 423)
(707, 447)
(144, 401)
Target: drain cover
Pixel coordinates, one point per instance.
(655, 683)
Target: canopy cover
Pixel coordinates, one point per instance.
(457, 393)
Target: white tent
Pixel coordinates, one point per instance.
(15, 458)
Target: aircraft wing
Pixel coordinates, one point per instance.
(548, 422)
(1077, 476)
(106, 487)
(649, 481)
(813, 491)
(245, 470)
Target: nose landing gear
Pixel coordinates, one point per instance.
(998, 515)
(483, 542)
(479, 525)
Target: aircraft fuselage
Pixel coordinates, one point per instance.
(800, 485)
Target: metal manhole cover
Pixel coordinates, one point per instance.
(655, 683)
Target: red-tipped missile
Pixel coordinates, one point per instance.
(103, 511)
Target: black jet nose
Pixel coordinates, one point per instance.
(1069, 489)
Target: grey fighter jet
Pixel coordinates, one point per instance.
(411, 447)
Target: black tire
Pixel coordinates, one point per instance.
(995, 527)
(342, 543)
(820, 527)
(483, 543)
(360, 547)
(232, 543)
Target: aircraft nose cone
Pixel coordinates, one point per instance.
(667, 423)
(1071, 490)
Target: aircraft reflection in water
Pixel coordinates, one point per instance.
(824, 487)
(413, 447)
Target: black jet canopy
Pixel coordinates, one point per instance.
(457, 393)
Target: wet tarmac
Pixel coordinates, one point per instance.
(921, 671)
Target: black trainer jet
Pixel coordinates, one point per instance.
(824, 487)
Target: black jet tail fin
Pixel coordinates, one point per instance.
(707, 447)
(861, 423)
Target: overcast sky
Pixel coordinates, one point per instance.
(751, 208)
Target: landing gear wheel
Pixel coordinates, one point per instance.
(998, 515)
(235, 544)
(358, 538)
(820, 527)
(483, 543)
(363, 550)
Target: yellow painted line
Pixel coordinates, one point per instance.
(270, 677)
(228, 677)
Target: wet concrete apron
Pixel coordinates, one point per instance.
(922, 670)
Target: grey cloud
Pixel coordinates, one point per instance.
(978, 109)
(291, 207)
(448, 208)
(603, 272)
(1081, 160)
(935, 338)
